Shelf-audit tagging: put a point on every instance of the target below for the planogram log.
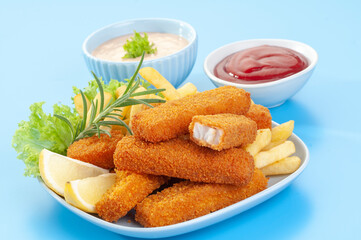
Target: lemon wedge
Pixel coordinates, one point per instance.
(85, 193)
(56, 170)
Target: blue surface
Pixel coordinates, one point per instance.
(40, 59)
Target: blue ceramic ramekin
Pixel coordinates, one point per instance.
(175, 67)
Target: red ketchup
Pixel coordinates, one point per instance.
(260, 64)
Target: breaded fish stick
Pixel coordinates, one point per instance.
(128, 190)
(261, 115)
(188, 200)
(222, 131)
(172, 118)
(94, 150)
(181, 158)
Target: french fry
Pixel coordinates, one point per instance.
(137, 108)
(107, 98)
(263, 138)
(158, 81)
(78, 102)
(283, 150)
(280, 134)
(121, 110)
(284, 166)
(187, 89)
(120, 91)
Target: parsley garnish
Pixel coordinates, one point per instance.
(137, 44)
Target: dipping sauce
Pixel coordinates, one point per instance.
(260, 64)
(166, 44)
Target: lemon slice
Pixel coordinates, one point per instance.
(56, 170)
(85, 193)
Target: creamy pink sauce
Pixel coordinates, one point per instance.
(166, 44)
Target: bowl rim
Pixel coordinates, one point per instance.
(190, 43)
(309, 68)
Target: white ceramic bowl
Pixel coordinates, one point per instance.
(270, 94)
(175, 67)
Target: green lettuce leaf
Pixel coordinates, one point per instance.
(43, 131)
(92, 89)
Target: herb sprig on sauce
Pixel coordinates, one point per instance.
(137, 44)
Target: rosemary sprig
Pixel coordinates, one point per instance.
(95, 122)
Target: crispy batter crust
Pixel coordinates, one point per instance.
(94, 150)
(261, 115)
(172, 118)
(181, 158)
(128, 190)
(237, 130)
(188, 200)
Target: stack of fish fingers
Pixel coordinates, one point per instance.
(200, 139)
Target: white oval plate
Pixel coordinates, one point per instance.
(127, 225)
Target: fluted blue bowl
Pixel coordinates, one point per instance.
(175, 67)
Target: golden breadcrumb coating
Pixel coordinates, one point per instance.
(128, 190)
(261, 115)
(188, 200)
(236, 130)
(172, 118)
(181, 158)
(94, 150)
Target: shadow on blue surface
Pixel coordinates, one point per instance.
(57, 218)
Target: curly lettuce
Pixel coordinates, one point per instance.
(43, 131)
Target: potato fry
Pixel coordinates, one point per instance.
(78, 102)
(284, 166)
(282, 131)
(187, 89)
(107, 98)
(120, 91)
(263, 138)
(280, 134)
(139, 107)
(277, 153)
(121, 110)
(158, 81)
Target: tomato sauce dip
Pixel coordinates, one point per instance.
(260, 64)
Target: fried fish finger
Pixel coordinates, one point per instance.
(181, 158)
(188, 200)
(172, 118)
(94, 150)
(222, 131)
(261, 115)
(128, 190)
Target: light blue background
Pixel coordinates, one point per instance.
(40, 60)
